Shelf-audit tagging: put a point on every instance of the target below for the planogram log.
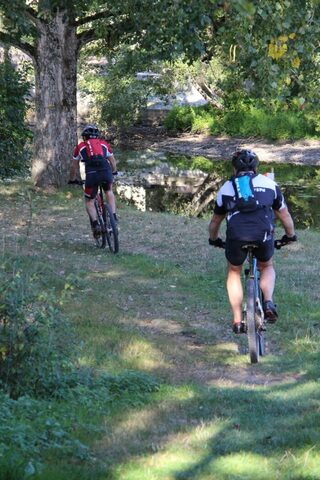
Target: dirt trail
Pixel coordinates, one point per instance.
(220, 148)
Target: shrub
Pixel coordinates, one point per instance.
(122, 101)
(36, 343)
(38, 359)
(13, 133)
(180, 119)
(244, 121)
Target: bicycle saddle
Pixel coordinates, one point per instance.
(249, 245)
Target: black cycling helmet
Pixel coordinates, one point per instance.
(90, 131)
(245, 160)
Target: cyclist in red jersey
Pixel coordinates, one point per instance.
(100, 166)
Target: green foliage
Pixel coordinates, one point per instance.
(180, 119)
(243, 121)
(268, 50)
(259, 122)
(13, 132)
(123, 101)
(33, 428)
(36, 343)
(118, 96)
(48, 402)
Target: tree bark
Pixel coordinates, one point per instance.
(55, 134)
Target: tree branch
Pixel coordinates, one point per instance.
(27, 48)
(32, 16)
(91, 18)
(85, 37)
(31, 12)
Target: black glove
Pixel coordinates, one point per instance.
(75, 182)
(115, 173)
(218, 242)
(285, 239)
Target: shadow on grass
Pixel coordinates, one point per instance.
(259, 433)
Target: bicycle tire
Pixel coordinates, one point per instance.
(253, 337)
(259, 324)
(111, 230)
(101, 240)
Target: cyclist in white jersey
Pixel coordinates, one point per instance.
(249, 201)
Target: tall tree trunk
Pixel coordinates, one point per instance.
(56, 102)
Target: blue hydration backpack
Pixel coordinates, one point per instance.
(245, 200)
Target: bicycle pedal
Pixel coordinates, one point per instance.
(244, 328)
(262, 327)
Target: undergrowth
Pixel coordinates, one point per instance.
(45, 393)
(244, 121)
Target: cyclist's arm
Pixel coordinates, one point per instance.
(287, 222)
(214, 225)
(113, 163)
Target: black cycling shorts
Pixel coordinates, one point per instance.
(236, 255)
(94, 179)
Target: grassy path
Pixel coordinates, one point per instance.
(160, 308)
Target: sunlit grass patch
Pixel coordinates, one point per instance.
(242, 465)
(226, 353)
(153, 467)
(141, 354)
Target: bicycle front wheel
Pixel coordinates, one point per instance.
(112, 234)
(253, 339)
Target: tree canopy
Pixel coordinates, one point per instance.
(268, 49)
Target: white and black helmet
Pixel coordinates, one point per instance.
(245, 160)
(90, 131)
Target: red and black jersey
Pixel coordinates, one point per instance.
(94, 153)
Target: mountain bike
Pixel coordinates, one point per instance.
(253, 320)
(109, 230)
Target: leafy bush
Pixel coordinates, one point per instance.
(36, 343)
(180, 119)
(122, 101)
(31, 427)
(244, 121)
(274, 126)
(13, 133)
(48, 404)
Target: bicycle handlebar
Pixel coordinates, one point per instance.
(278, 243)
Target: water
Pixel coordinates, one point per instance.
(300, 184)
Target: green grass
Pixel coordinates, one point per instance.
(181, 400)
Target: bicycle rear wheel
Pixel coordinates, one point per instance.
(111, 230)
(100, 240)
(253, 336)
